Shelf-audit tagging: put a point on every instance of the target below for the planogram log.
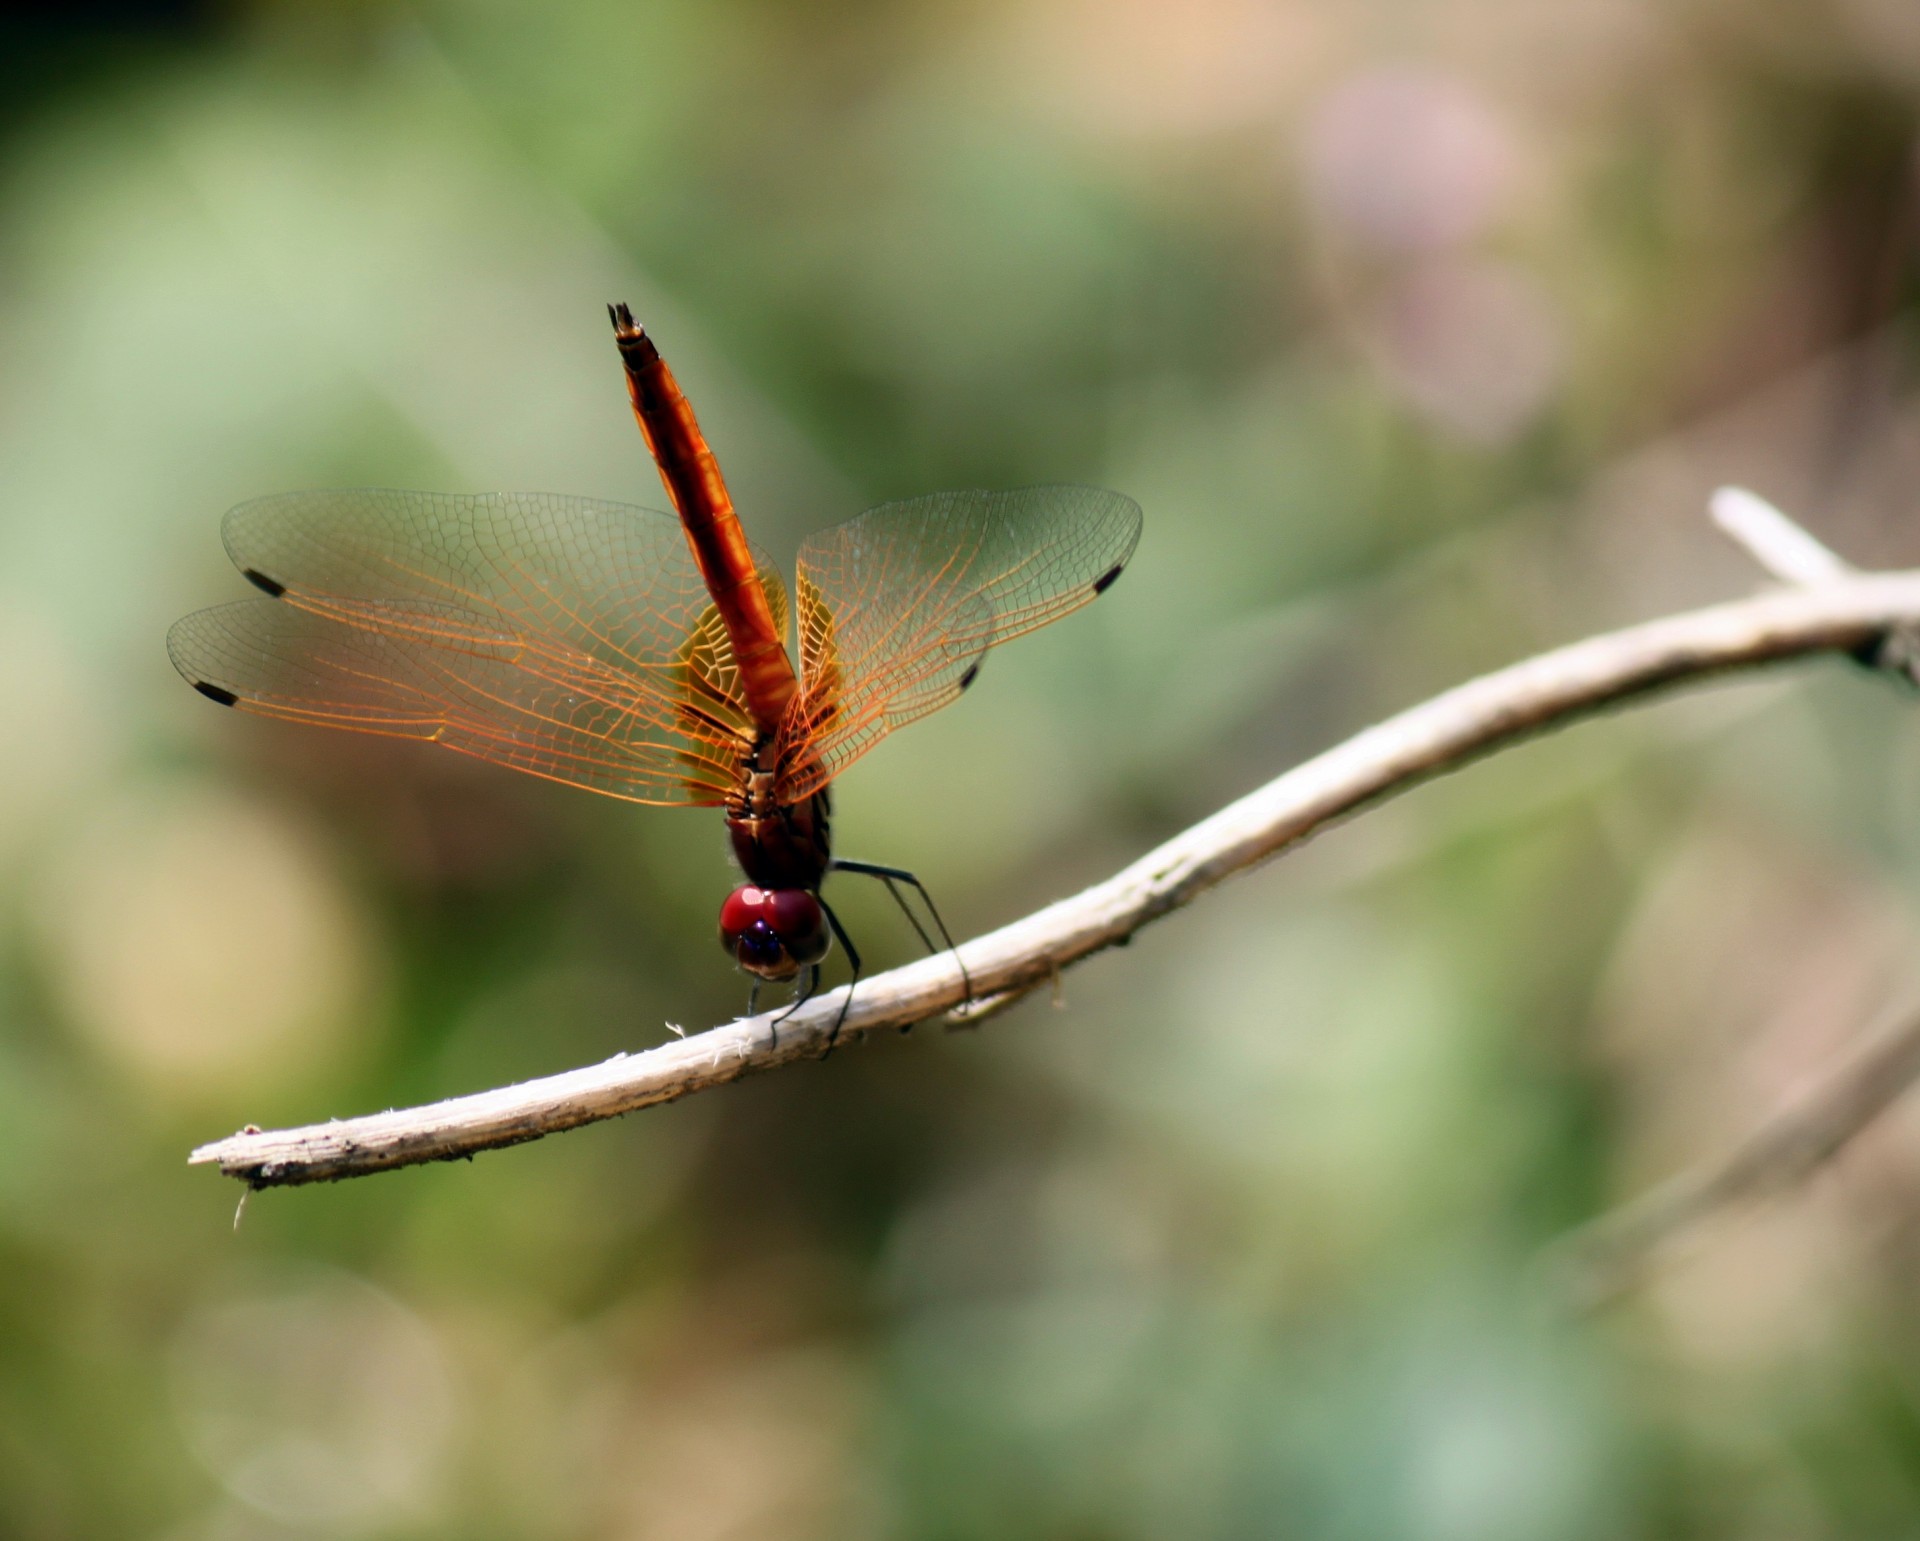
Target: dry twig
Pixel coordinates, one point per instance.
(1604, 1259)
(1793, 556)
(1774, 541)
(1451, 730)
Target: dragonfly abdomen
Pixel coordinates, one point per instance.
(692, 477)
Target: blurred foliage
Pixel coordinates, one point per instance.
(1420, 332)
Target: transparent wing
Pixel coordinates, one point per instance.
(897, 606)
(565, 637)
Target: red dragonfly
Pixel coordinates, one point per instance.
(642, 656)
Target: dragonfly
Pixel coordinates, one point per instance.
(644, 655)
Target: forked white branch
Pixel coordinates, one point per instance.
(1605, 1258)
(1849, 615)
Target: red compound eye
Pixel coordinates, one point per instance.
(742, 908)
(800, 923)
(773, 932)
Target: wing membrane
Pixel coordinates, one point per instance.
(897, 607)
(565, 637)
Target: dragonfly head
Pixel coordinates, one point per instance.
(773, 932)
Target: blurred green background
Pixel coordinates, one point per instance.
(1421, 331)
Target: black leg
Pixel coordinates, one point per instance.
(853, 965)
(905, 908)
(802, 993)
(892, 875)
(753, 996)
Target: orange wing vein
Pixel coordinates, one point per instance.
(565, 637)
(897, 607)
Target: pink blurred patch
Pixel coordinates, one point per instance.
(1408, 159)
(1474, 347)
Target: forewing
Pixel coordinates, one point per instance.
(569, 638)
(897, 606)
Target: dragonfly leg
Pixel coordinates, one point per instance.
(753, 997)
(893, 875)
(803, 992)
(853, 964)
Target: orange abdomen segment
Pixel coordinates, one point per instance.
(693, 481)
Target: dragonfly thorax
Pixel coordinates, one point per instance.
(780, 845)
(756, 797)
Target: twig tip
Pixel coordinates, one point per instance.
(1776, 542)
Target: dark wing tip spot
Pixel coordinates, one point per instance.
(1105, 581)
(972, 674)
(215, 692)
(261, 581)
